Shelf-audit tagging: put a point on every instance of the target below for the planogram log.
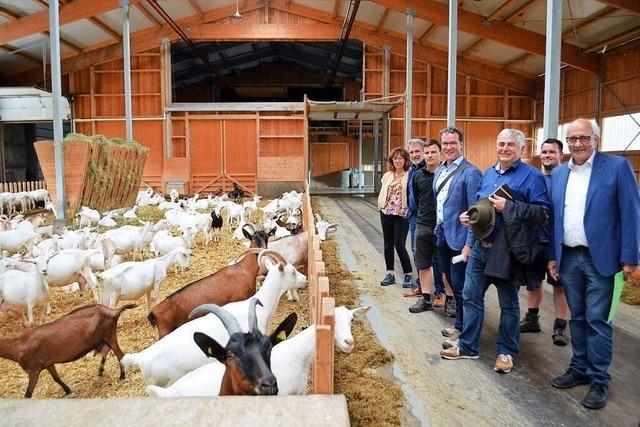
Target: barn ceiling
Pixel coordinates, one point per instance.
(505, 34)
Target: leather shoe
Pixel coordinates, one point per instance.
(569, 379)
(415, 292)
(596, 398)
(421, 305)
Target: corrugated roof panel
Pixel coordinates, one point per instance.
(605, 28)
(83, 33)
(137, 21)
(207, 5)
(177, 9)
(24, 7)
(397, 22)
(533, 64)
(371, 13)
(441, 37)
(498, 52)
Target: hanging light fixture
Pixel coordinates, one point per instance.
(237, 14)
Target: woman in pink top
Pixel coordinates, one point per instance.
(392, 202)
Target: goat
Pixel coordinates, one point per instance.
(163, 242)
(107, 221)
(251, 206)
(295, 250)
(175, 354)
(323, 228)
(131, 213)
(216, 223)
(88, 217)
(174, 310)
(131, 280)
(92, 327)
(123, 240)
(235, 212)
(20, 290)
(237, 193)
(174, 195)
(290, 362)
(14, 240)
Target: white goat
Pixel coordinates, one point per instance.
(174, 195)
(323, 228)
(88, 217)
(290, 362)
(131, 280)
(122, 241)
(107, 221)
(22, 291)
(235, 212)
(251, 206)
(176, 354)
(14, 240)
(163, 242)
(131, 213)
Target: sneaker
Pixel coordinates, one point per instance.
(450, 307)
(504, 363)
(596, 398)
(421, 305)
(559, 336)
(439, 300)
(408, 281)
(415, 292)
(454, 353)
(451, 333)
(570, 379)
(448, 343)
(530, 323)
(389, 279)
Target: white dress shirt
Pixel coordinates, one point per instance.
(575, 200)
(442, 196)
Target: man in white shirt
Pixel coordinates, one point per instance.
(596, 233)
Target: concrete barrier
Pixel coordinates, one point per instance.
(232, 411)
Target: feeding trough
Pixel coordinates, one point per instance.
(100, 173)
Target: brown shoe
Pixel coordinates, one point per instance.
(504, 363)
(439, 300)
(415, 292)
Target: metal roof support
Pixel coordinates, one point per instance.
(56, 89)
(347, 24)
(453, 63)
(552, 65)
(408, 116)
(126, 47)
(386, 70)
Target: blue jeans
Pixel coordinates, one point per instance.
(589, 296)
(454, 272)
(475, 286)
(437, 272)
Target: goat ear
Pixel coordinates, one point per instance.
(361, 310)
(332, 227)
(210, 347)
(246, 233)
(272, 231)
(284, 329)
(281, 267)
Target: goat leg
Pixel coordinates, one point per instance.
(33, 380)
(113, 344)
(56, 378)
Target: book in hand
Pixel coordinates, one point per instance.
(505, 192)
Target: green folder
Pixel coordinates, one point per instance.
(618, 284)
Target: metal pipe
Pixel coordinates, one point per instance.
(453, 57)
(376, 156)
(126, 47)
(347, 25)
(386, 70)
(56, 89)
(411, 13)
(361, 175)
(552, 69)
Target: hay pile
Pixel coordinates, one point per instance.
(372, 398)
(134, 331)
(631, 292)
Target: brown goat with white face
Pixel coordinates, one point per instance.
(247, 355)
(232, 283)
(88, 328)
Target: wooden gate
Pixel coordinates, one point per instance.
(328, 158)
(222, 151)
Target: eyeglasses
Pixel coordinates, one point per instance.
(448, 144)
(584, 139)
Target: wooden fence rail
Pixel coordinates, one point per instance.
(321, 306)
(17, 187)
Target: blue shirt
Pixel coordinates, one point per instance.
(527, 183)
(412, 204)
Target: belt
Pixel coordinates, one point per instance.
(581, 249)
(486, 245)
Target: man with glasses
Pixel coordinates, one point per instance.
(527, 186)
(550, 157)
(455, 185)
(596, 233)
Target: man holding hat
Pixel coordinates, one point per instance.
(525, 184)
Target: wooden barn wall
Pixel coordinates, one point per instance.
(483, 109)
(578, 89)
(332, 152)
(98, 105)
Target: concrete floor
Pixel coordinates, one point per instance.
(465, 392)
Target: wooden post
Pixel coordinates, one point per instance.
(323, 292)
(323, 365)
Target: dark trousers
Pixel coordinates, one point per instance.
(455, 276)
(394, 231)
(437, 273)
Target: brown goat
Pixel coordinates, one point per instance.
(88, 328)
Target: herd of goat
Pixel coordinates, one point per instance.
(211, 332)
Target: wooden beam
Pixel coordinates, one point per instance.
(515, 61)
(383, 18)
(104, 27)
(336, 9)
(594, 17)
(264, 32)
(148, 15)
(7, 14)
(471, 49)
(502, 32)
(493, 15)
(615, 40)
(38, 22)
(519, 11)
(632, 6)
(425, 36)
(195, 7)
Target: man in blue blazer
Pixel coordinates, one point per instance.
(455, 185)
(596, 233)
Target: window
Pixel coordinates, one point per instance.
(620, 132)
(562, 131)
